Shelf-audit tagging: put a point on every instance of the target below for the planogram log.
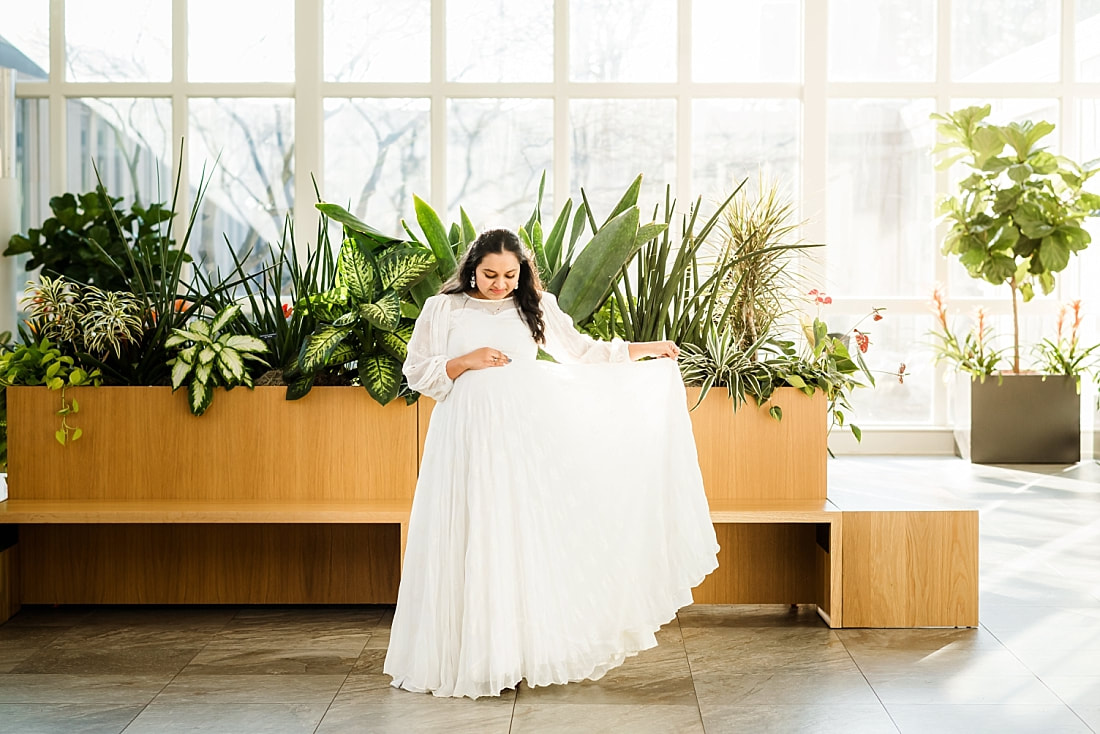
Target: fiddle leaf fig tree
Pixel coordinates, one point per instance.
(1017, 216)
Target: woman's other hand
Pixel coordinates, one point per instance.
(665, 349)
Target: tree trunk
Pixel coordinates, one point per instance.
(1015, 329)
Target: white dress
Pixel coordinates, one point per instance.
(559, 518)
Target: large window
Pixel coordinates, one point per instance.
(467, 103)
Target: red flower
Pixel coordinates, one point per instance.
(287, 310)
(877, 317)
(827, 300)
(862, 340)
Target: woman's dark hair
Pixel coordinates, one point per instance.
(528, 289)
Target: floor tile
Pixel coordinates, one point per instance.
(1090, 714)
(238, 660)
(70, 718)
(49, 616)
(919, 639)
(569, 717)
(222, 718)
(763, 650)
(945, 662)
(114, 660)
(251, 689)
(782, 688)
(105, 689)
(1075, 690)
(328, 640)
(666, 680)
(982, 719)
(818, 718)
(369, 688)
(420, 713)
(895, 688)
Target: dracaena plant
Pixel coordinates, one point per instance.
(211, 358)
(366, 320)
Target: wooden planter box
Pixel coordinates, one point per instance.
(1019, 419)
(141, 443)
(748, 455)
(252, 448)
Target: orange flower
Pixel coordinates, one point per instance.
(287, 310)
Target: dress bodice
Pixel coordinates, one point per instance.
(477, 323)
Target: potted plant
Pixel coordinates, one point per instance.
(1016, 220)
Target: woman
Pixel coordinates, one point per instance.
(559, 517)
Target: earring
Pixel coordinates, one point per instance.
(473, 281)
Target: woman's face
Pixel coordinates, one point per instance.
(497, 275)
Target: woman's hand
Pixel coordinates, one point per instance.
(654, 349)
(478, 359)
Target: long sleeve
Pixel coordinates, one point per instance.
(566, 344)
(426, 363)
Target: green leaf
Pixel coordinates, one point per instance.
(319, 347)
(199, 396)
(380, 374)
(355, 272)
(245, 343)
(180, 371)
(1054, 253)
(177, 338)
(299, 388)
(75, 406)
(775, 411)
(598, 265)
(223, 318)
(795, 381)
(1019, 172)
(53, 369)
(77, 433)
(206, 356)
(385, 313)
(230, 365)
(339, 214)
(59, 434)
(856, 432)
(396, 342)
(628, 200)
(436, 236)
(469, 234)
(404, 267)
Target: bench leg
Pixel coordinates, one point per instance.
(10, 601)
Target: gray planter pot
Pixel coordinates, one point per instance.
(1019, 419)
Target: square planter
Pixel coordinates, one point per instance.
(1019, 419)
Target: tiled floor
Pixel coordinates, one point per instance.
(1032, 666)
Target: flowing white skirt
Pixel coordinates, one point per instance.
(559, 521)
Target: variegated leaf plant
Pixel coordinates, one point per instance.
(366, 320)
(210, 358)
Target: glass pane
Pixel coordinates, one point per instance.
(377, 157)
(129, 141)
(377, 41)
(881, 234)
(735, 138)
(1088, 126)
(1002, 111)
(622, 40)
(499, 41)
(25, 40)
(497, 149)
(1088, 30)
(613, 140)
(999, 41)
(240, 41)
(252, 184)
(896, 340)
(32, 170)
(119, 41)
(882, 40)
(747, 41)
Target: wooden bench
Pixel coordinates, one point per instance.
(284, 505)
